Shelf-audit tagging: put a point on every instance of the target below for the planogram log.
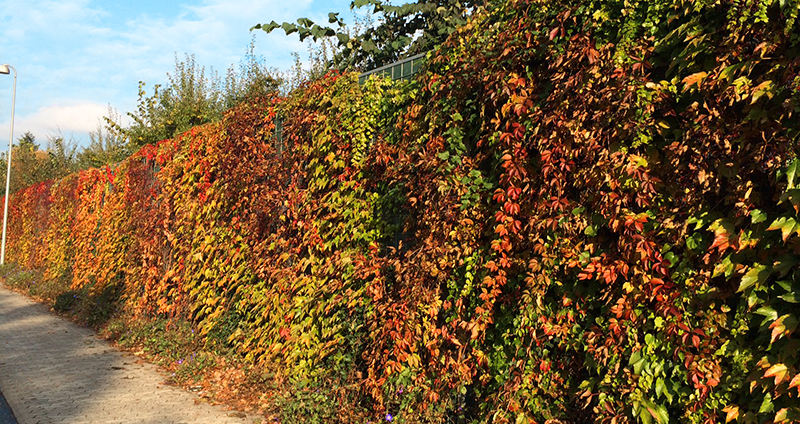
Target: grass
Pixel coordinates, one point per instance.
(173, 344)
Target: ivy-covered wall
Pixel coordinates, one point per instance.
(581, 211)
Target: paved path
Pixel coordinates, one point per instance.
(6, 416)
(55, 372)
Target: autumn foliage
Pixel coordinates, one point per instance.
(577, 213)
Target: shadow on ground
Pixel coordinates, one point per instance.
(54, 371)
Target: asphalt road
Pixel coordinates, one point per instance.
(6, 416)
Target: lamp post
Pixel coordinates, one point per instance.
(6, 69)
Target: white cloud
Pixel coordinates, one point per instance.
(75, 57)
(68, 120)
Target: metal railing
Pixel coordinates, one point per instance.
(401, 70)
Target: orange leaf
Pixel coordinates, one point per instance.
(693, 79)
(732, 413)
(795, 382)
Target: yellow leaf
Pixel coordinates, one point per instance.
(761, 89)
(732, 411)
(778, 371)
(786, 414)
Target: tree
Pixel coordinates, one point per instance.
(105, 147)
(63, 157)
(403, 30)
(30, 164)
(254, 79)
(192, 97)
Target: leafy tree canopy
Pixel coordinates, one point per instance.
(404, 30)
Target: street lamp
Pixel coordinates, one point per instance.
(6, 69)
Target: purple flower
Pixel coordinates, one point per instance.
(388, 417)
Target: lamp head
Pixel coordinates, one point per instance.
(4, 69)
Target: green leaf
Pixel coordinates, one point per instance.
(672, 258)
(793, 196)
(660, 386)
(289, 28)
(785, 264)
(266, 27)
(694, 241)
(303, 32)
(368, 46)
(305, 22)
(642, 413)
(757, 274)
(787, 225)
(333, 17)
(753, 298)
(791, 172)
(756, 215)
(328, 32)
(725, 267)
(790, 297)
(767, 312)
(766, 404)
(786, 285)
(638, 362)
(657, 412)
(729, 72)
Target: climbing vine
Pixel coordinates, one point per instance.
(578, 212)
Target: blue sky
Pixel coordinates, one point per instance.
(75, 58)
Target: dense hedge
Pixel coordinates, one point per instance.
(578, 213)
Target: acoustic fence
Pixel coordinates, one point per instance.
(574, 213)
